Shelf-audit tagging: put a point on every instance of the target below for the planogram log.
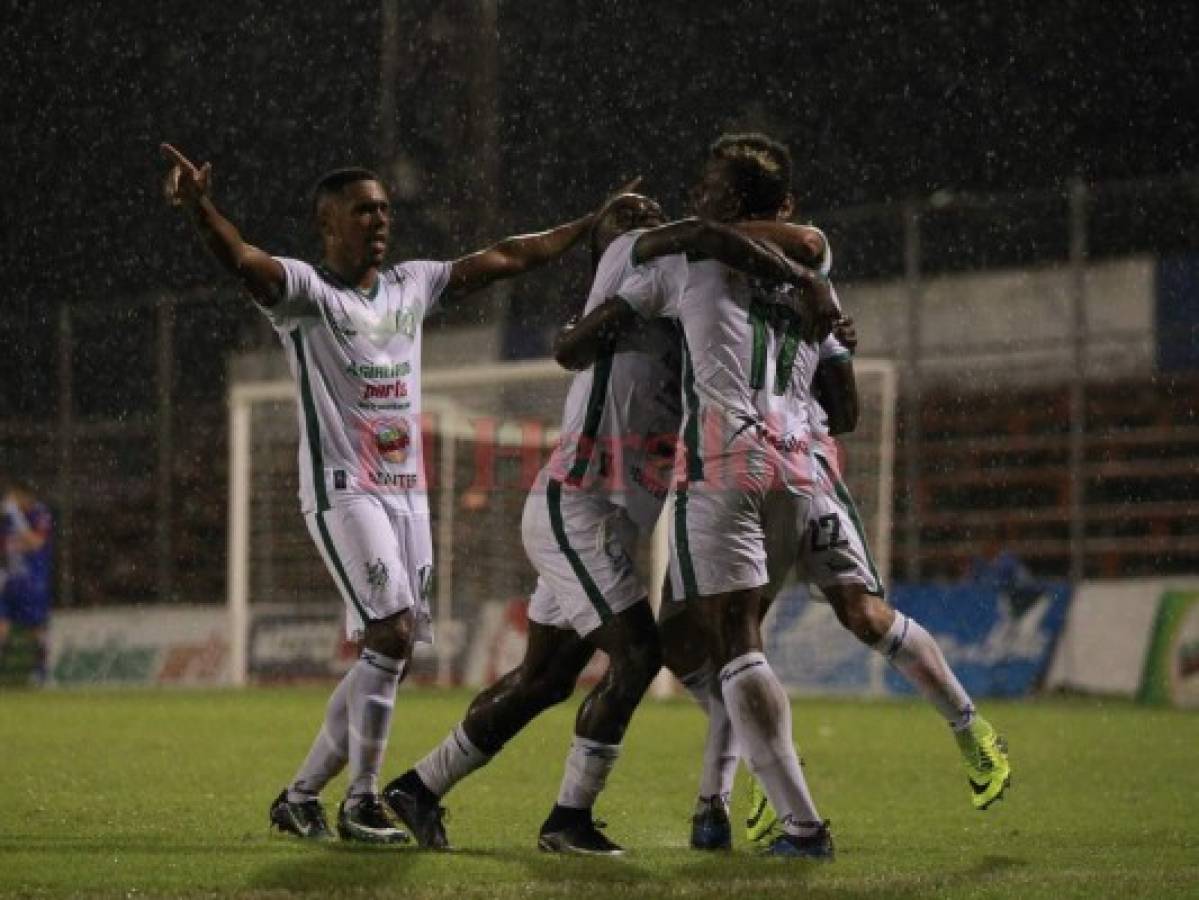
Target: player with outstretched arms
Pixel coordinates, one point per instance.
(605, 482)
(351, 327)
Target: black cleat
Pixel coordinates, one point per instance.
(710, 827)
(817, 846)
(367, 822)
(574, 831)
(417, 807)
(305, 820)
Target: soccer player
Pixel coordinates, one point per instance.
(760, 497)
(605, 482)
(351, 328)
(25, 582)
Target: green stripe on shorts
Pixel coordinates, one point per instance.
(327, 540)
(683, 544)
(553, 496)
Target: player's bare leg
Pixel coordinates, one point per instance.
(913, 652)
(760, 712)
(630, 638)
(546, 676)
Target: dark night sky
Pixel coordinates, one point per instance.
(877, 100)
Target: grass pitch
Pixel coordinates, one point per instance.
(157, 793)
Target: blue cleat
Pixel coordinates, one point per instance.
(818, 845)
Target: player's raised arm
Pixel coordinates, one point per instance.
(702, 237)
(802, 243)
(521, 253)
(577, 345)
(188, 187)
(835, 383)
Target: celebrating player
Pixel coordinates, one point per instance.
(351, 325)
(605, 481)
(760, 496)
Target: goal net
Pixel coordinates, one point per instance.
(487, 431)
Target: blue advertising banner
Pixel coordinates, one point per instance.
(998, 643)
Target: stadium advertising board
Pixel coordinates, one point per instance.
(140, 645)
(998, 644)
(1172, 664)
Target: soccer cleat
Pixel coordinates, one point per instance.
(366, 822)
(710, 827)
(306, 819)
(417, 807)
(985, 756)
(570, 830)
(762, 819)
(818, 846)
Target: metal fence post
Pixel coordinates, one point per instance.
(65, 487)
(164, 436)
(912, 393)
(1079, 198)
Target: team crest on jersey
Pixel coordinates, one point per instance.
(393, 439)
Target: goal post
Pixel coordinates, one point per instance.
(488, 429)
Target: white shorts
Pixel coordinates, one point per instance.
(582, 548)
(724, 539)
(380, 560)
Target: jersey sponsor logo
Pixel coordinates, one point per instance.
(393, 439)
(369, 371)
(395, 480)
(388, 391)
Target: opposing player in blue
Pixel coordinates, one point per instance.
(25, 538)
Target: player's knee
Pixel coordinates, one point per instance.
(547, 691)
(391, 636)
(864, 615)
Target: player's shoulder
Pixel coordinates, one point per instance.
(415, 273)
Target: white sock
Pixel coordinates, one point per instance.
(720, 748)
(372, 700)
(761, 717)
(915, 655)
(587, 766)
(329, 751)
(450, 761)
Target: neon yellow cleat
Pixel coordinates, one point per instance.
(985, 756)
(759, 825)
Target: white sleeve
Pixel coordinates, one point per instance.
(830, 347)
(654, 288)
(430, 278)
(302, 288)
(826, 264)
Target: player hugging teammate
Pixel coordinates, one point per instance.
(715, 329)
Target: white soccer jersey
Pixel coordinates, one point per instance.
(622, 414)
(746, 368)
(355, 357)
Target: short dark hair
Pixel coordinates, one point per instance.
(332, 182)
(761, 170)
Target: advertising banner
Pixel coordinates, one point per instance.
(999, 644)
(140, 645)
(1172, 664)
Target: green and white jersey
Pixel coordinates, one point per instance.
(747, 372)
(355, 357)
(621, 419)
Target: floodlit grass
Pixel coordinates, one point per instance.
(153, 793)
